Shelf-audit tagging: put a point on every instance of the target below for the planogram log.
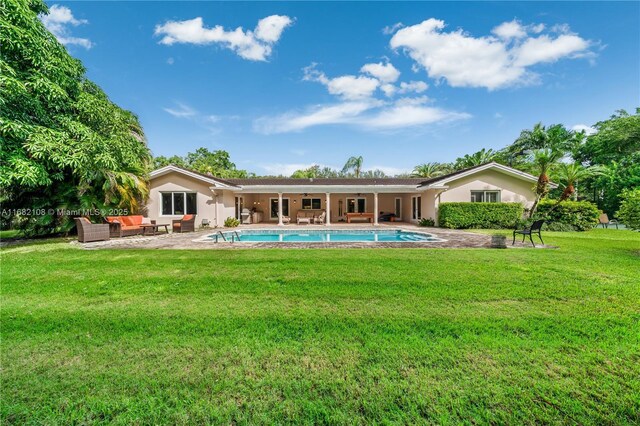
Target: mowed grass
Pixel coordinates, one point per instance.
(331, 336)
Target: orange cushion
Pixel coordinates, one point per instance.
(135, 220)
(187, 217)
(113, 219)
(177, 225)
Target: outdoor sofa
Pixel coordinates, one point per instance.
(88, 231)
(124, 226)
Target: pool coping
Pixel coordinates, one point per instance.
(207, 238)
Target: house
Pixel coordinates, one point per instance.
(175, 191)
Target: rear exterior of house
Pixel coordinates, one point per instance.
(176, 191)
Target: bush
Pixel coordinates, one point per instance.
(480, 215)
(427, 222)
(629, 212)
(231, 222)
(558, 227)
(580, 215)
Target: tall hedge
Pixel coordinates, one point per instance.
(580, 215)
(479, 215)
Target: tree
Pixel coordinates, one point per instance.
(355, 164)
(542, 161)
(65, 145)
(428, 170)
(616, 146)
(476, 159)
(568, 175)
(629, 212)
(216, 163)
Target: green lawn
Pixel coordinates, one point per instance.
(324, 336)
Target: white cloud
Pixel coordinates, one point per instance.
(368, 115)
(270, 28)
(388, 89)
(340, 113)
(170, 61)
(58, 21)
(510, 30)
(390, 29)
(491, 62)
(348, 87)
(546, 49)
(413, 86)
(386, 73)
(254, 45)
(182, 111)
(410, 112)
(584, 128)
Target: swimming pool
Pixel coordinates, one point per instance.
(322, 236)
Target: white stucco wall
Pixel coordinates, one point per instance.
(512, 189)
(205, 201)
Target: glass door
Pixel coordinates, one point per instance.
(416, 208)
(273, 207)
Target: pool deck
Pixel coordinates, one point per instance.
(197, 240)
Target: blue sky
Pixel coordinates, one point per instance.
(314, 83)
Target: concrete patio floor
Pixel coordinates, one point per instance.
(197, 240)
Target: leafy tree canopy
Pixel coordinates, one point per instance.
(215, 163)
(64, 143)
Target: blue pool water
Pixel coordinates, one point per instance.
(319, 236)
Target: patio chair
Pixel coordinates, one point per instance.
(186, 224)
(88, 231)
(605, 222)
(533, 229)
(286, 220)
(320, 219)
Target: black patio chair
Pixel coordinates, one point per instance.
(533, 229)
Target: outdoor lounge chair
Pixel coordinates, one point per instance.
(320, 219)
(88, 231)
(186, 224)
(605, 222)
(533, 229)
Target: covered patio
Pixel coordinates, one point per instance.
(327, 203)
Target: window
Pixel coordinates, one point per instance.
(356, 205)
(179, 203)
(416, 208)
(485, 196)
(273, 207)
(311, 203)
(398, 207)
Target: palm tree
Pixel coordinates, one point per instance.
(542, 161)
(428, 170)
(569, 174)
(355, 164)
(476, 159)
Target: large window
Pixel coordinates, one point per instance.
(485, 196)
(179, 203)
(311, 203)
(356, 205)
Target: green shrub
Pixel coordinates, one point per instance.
(480, 215)
(558, 227)
(231, 222)
(629, 212)
(427, 222)
(581, 215)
